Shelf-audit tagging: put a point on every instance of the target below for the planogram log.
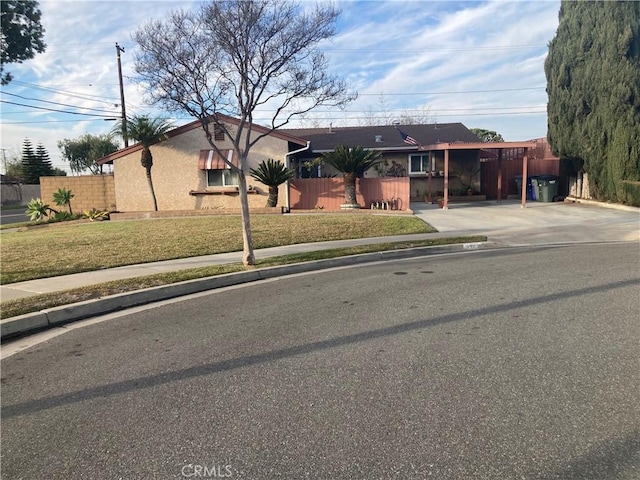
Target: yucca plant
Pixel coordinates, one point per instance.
(352, 162)
(272, 173)
(146, 131)
(62, 197)
(37, 210)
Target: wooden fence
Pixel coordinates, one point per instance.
(510, 169)
(328, 193)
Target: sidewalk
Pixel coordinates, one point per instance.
(505, 223)
(54, 284)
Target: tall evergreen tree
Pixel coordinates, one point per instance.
(593, 84)
(35, 164)
(46, 167)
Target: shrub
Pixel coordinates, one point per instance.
(96, 215)
(62, 217)
(37, 210)
(62, 197)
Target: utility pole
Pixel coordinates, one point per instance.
(124, 113)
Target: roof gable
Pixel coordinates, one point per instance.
(281, 134)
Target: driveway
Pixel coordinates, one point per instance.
(539, 223)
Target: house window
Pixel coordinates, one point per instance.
(222, 178)
(418, 163)
(218, 134)
(309, 168)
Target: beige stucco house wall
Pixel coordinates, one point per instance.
(178, 182)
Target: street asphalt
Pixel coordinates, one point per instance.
(513, 363)
(505, 223)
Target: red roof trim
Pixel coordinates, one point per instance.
(197, 124)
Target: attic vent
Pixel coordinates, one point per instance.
(378, 138)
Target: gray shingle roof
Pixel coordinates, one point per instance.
(323, 139)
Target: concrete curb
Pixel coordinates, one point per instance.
(614, 206)
(57, 316)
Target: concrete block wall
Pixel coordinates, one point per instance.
(90, 191)
(17, 194)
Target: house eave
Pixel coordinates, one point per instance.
(197, 124)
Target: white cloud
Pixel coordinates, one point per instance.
(391, 47)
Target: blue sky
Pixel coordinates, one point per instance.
(479, 63)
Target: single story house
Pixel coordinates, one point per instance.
(188, 175)
(439, 159)
(400, 157)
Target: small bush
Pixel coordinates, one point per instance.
(62, 217)
(62, 197)
(96, 215)
(37, 210)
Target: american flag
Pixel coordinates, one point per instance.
(408, 139)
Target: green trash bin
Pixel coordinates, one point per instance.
(547, 188)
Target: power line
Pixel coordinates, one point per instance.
(56, 103)
(95, 98)
(53, 110)
(451, 93)
(55, 121)
(438, 49)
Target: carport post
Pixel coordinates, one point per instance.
(445, 205)
(499, 175)
(525, 180)
(429, 199)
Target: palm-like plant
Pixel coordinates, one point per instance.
(37, 210)
(62, 197)
(146, 131)
(272, 173)
(352, 162)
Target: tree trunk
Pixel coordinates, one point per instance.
(248, 257)
(350, 189)
(147, 162)
(153, 192)
(272, 201)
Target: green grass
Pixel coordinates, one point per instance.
(13, 308)
(69, 247)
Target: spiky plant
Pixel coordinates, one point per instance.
(352, 162)
(146, 131)
(62, 197)
(272, 173)
(37, 210)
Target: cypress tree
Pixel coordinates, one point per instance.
(593, 84)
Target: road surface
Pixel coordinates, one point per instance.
(511, 364)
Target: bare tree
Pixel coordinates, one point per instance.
(384, 114)
(231, 57)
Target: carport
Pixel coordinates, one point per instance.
(500, 147)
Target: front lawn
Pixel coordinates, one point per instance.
(65, 248)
